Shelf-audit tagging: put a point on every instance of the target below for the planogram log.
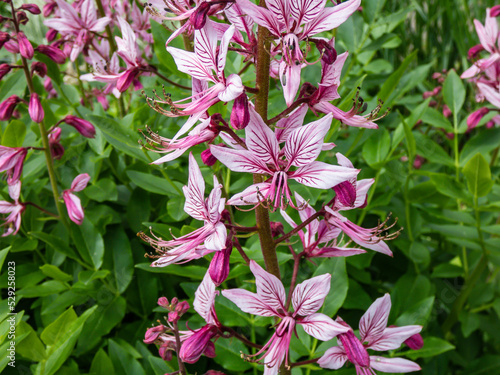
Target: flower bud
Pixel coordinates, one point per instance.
(173, 316)
(446, 111)
(219, 266)
(419, 160)
(163, 302)
(32, 8)
(240, 116)
(4, 37)
(152, 334)
(35, 108)
(207, 158)
(56, 149)
(490, 124)
(83, 127)
(165, 351)
(328, 53)
(475, 117)
(495, 11)
(25, 47)
(354, 349)
(182, 307)
(12, 46)
(415, 342)
(199, 17)
(49, 8)
(213, 372)
(4, 69)
(7, 107)
(345, 193)
(174, 302)
(276, 228)
(197, 344)
(53, 53)
(22, 18)
(39, 68)
(474, 51)
(51, 35)
(126, 79)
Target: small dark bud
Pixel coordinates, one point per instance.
(276, 228)
(474, 51)
(4, 37)
(39, 68)
(199, 17)
(22, 17)
(328, 53)
(495, 11)
(51, 35)
(207, 158)
(240, 115)
(25, 48)
(53, 53)
(32, 8)
(4, 69)
(49, 8)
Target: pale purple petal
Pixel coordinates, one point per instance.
(261, 140)
(290, 80)
(322, 327)
(100, 24)
(205, 46)
(393, 365)
(374, 321)
(239, 160)
(248, 302)
(15, 190)
(217, 240)
(189, 63)
(80, 182)
(309, 296)
(233, 89)
(288, 124)
(224, 44)
(322, 176)
(280, 10)
(251, 195)
(236, 16)
(304, 11)
(269, 287)
(491, 95)
(331, 18)
(204, 299)
(261, 16)
(393, 337)
(334, 358)
(195, 192)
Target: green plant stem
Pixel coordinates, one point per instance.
(44, 136)
(112, 44)
(369, 198)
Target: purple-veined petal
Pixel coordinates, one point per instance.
(330, 73)
(290, 80)
(15, 190)
(100, 24)
(204, 299)
(261, 16)
(189, 63)
(362, 187)
(334, 358)
(248, 302)
(310, 295)
(374, 321)
(217, 240)
(236, 16)
(239, 160)
(195, 192)
(261, 140)
(304, 11)
(393, 337)
(331, 18)
(251, 195)
(322, 327)
(213, 202)
(330, 252)
(205, 46)
(269, 287)
(224, 44)
(80, 182)
(304, 144)
(491, 95)
(320, 175)
(280, 10)
(288, 124)
(345, 118)
(393, 365)
(485, 37)
(6, 207)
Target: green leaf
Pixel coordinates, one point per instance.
(55, 330)
(437, 120)
(175, 211)
(453, 92)
(229, 355)
(485, 365)
(108, 314)
(101, 364)
(433, 346)
(123, 264)
(410, 141)
(14, 84)
(339, 283)
(433, 152)
(55, 273)
(89, 243)
(3, 255)
(31, 347)
(152, 183)
(376, 148)
(160, 36)
(123, 362)
(478, 175)
(194, 272)
(484, 142)
(102, 190)
(449, 186)
(56, 243)
(119, 137)
(418, 313)
(42, 290)
(419, 253)
(14, 135)
(159, 366)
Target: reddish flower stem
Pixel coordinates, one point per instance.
(296, 264)
(309, 361)
(287, 111)
(154, 69)
(182, 369)
(299, 227)
(242, 338)
(237, 244)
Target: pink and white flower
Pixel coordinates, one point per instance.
(270, 300)
(374, 331)
(11, 162)
(13, 222)
(73, 203)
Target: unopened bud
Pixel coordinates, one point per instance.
(7, 107)
(22, 17)
(475, 117)
(56, 149)
(39, 68)
(199, 17)
(51, 34)
(219, 266)
(126, 79)
(474, 51)
(25, 47)
(165, 351)
(49, 8)
(328, 53)
(345, 193)
(53, 53)
(446, 111)
(163, 302)
(32, 8)
(207, 158)
(495, 11)
(197, 344)
(4, 37)
(354, 349)
(83, 127)
(12, 46)
(240, 115)
(182, 307)
(35, 108)
(153, 333)
(276, 228)
(4, 69)
(174, 302)
(415, 342)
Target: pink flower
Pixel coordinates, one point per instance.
(318, 232)
(475, 117)
(13, 221)
(293, 22)
(209, 238)
(11, 161)
(374, 331)
(83, 127)
(270, 300)
(73, 203)
(263, 156)
(35, 108)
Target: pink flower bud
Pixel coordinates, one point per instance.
(35, 108)
(165, 351)
(4, 38)
(240, 116)
(56, 149)
(475, 117)
(199, 17)
(213, 372)
(32, 8)
(446, 111)
(153, 333)
(7, 107)
(54, 53)
(25, 47)
(83, 127)
(354, 349)
(328, 53)
(415, 342)
(22, 18)
(174, 302)
(163, 302)
(11, 161)
(219, 266)
(490, 124)
(345, 193)
(39, 68)
(173, 316)
(276, 228)
(49, 8)
(427, 94)
(207, 158)
(4, 69)
(12, 46)
(51, 35)
(182, 307)
(495, 11)
(126, 79)
(474, 51)
(197, 344)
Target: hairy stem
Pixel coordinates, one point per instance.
(182, 369)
